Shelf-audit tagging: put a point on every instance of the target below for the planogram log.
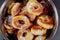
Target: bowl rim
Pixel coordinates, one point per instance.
(54, 8)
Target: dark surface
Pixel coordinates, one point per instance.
(57, 4)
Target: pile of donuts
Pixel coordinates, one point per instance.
(31, 20)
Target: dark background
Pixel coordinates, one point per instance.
(57, 4)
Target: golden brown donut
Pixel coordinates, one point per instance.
(8, 26)
(10, 7)
(16, 9)
(30, 16)
(9, 29)
(20, 22)
(7, 22)
(38, 30)
(45, 21)
(34, 7)
(24, 35)
(40, 38)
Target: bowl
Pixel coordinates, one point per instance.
(55, 17)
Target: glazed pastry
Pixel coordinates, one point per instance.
(10, 7)
(24, 35)
(40, 38)
(7, 23)
(21, 22)
(16, 9)
(9, 29)
(8, 26)
(30, 16)
(28, 20)
(38, 30)
(45, 21)
(34, 7)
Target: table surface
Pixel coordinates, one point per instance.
(57, 35)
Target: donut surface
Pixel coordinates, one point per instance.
(20, 22)
(45, 21)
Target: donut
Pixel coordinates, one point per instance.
(34, 7)
(16, 9)
(7, 22)
(45, 21)
(10, 7)
(38, 30)
(10, 31)
(30, 16)
(40, 38)
(9, 28)
(21, 22)
(24, 35)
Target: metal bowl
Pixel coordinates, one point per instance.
(7, 2)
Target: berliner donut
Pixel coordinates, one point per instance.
(40, 38)
(20, 22)
(24, 35)
(38, 30)
(16, 9)
(45, 21)
(34, 7)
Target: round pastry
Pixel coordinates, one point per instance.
(30, 16)
(8, 26)
(10, 7)
(45, 21)
(16, 9)
(40, 38)
(34, 7)
(38, 30)
(9, 29)
(20, 22)
(7, 22)
(24, 35)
